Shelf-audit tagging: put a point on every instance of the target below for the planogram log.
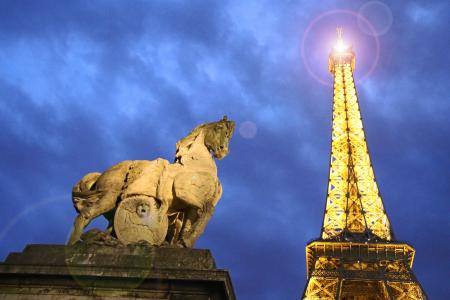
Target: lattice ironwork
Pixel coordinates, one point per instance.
(353, 203)
(405, 291)
(351, 278)
(322, 288)
(357, 257)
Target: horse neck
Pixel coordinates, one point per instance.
(198, 156)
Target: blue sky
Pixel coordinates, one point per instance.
(84, 85)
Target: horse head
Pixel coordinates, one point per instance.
(216, 136)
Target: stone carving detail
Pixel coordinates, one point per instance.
(157, 202)
(139, 219)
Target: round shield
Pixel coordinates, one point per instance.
(140, 219)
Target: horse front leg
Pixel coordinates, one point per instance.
(195, 222)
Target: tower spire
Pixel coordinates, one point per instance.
(356, 256)
(340, 33)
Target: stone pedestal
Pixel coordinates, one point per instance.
(89, 271)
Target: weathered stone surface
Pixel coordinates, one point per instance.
(138, 197)
(89, 271)
(137, 219)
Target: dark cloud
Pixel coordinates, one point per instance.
(84, 85)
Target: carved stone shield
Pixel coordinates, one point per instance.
(139, 218)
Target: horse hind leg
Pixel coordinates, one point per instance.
(103, 205)
(109, 216)
(79, 224)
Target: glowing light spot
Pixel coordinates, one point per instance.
(340, 46)
(248, 130)
(330, 14)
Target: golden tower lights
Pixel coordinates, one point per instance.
(356, 256)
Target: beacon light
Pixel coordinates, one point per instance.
(341, 53)
(340, 46)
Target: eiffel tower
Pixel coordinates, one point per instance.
(357, 256)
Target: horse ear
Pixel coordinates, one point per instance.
(225, 118)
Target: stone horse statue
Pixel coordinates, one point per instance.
(155, 201)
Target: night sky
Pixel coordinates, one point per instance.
(87, 84)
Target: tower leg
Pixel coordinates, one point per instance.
(325, 288)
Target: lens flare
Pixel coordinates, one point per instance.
(340, 47)
(248, 129)
(379, 15)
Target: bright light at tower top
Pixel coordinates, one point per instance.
(340, 46)
(341, 53)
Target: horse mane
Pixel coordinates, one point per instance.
(183, 145)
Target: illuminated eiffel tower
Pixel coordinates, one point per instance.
(357, 256)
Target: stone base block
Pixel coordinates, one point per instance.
(90, 271)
